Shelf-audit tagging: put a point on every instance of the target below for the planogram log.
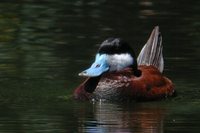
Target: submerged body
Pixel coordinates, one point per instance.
(124, 86)
(117, 75)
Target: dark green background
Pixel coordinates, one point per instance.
(45, 44)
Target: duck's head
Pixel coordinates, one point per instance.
(114, 54)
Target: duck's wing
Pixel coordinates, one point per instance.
(151, 53)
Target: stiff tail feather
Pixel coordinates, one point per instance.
(151, 53)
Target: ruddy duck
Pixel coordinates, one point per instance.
(117, 75)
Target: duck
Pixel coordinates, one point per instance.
(118, 75)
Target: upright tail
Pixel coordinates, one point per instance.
(151, 53)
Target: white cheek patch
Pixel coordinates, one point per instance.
(119, 61)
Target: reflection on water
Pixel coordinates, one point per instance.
(126, 119)
(139, 118)
(43, 45)
(87, 117)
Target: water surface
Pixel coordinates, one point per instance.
(43, 45)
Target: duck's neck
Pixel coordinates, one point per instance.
(136, 71)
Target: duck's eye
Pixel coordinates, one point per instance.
(98, 65)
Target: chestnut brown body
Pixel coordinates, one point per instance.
(123, 85)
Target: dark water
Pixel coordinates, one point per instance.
(43, 45)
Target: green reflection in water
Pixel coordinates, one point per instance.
(43, 45)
